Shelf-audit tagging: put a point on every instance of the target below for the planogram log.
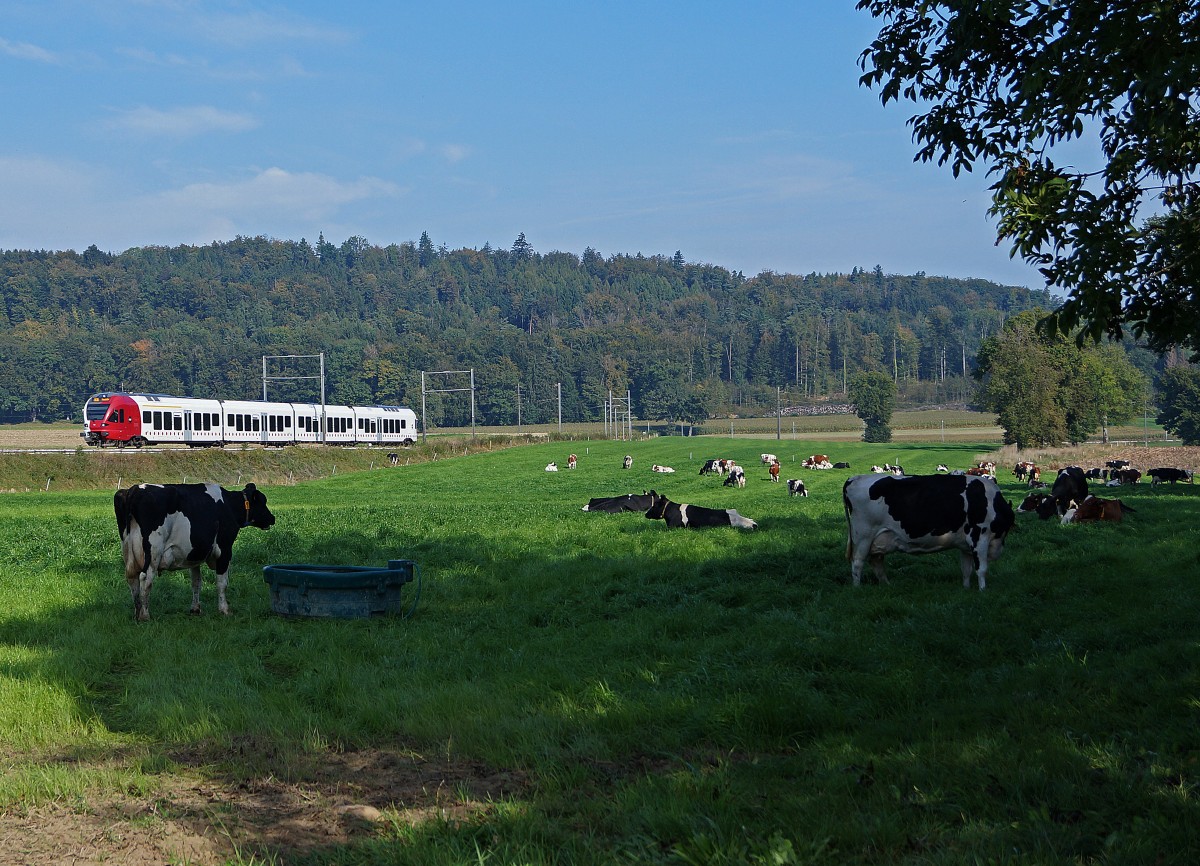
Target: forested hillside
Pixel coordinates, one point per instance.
(687, 340)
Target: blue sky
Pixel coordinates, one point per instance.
(735, 133)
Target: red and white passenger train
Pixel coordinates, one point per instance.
(122, 420)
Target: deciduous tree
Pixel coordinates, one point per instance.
(1006, 84)
(874, 397)
(1179, 403)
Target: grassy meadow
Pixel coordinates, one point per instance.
(650, 696)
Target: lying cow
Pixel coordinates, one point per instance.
(664, 469)
(767, 459)
(841, 465)
(168, 527)
(551, 467)
(1093, 509)
(796, 487)
(1070, 486)
(1165, 474)
(1031, 502)
(695, 516)
(923, 514)
(639, 502)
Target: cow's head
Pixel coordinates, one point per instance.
(658, 506)
(1003, 523)
(255, 511)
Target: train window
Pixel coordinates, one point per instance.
(157, 420)
(254, 421)
(287, 421)
(178, 422)
(270, 423)
(229, 423)
(237, 419)
(403, 423)
(146, 417)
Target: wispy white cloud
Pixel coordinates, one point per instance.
(26, 51)
(242, 24)
(63, 205)
(453, 153)
(274, 192)
(184, 122)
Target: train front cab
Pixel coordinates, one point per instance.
(112, 419)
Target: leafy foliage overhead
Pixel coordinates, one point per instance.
(1021, 85)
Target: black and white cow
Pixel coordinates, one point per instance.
(168, 527)
(1166, 473)
(1069, 486)
(640, 502)
(924, 514)
(796, 487)
(736, 477)
(695, 516)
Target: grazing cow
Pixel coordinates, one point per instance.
(923, 514)
(1032, 501)
(616, 504)
(694, 516)
(1117, 464)
(627, 463)
(767, 459)
(736, 477)
(712, 467)
(572, 461)
(842, 465)
(393, 458)
(796, 487)
(1093, 509)
(774, 470)
(1095, 472)
(656, 468)
(551, 467)
(1165, 473)
(1023, 469)
(1070, 486)
(168, 527)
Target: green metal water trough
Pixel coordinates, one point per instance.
(342, 591)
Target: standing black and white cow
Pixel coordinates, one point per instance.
(694, 516)
(1167, 473)
(1070, 486)
(168, 527)
(796, 487)
(924, 514)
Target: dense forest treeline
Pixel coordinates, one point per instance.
(685, 339)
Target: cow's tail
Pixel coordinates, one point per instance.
(121, 507)
(849, 534)
(1125, 508)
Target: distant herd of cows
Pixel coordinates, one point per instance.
(168, 527)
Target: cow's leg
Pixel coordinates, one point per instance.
(139, 588)
(222, 582)
(195, 570)
(971, 561)
(877, 566)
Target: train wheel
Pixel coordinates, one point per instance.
(138, 441)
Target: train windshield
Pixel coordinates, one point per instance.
(97, 409)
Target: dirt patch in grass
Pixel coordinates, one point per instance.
(1141, 456)
(201, 817)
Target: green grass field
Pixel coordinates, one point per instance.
(665, 697)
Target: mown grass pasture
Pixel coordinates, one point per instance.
(630, 694)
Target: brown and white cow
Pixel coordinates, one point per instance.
(1093, 509)
(924, 514)
(168, 527)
